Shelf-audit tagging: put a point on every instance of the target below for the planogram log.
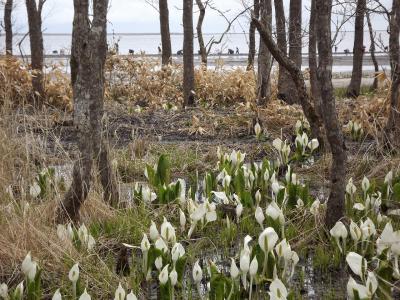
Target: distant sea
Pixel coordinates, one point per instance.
(149, 42)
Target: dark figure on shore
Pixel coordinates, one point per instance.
(363, 49)
(231, 52)
(55, 52)
(159, 50)
(116, 46)
(131, 51)
(237, 50)
(386, 48)
(180, 52)
(346, 51)
(335, 49)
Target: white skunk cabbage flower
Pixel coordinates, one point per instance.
(73, 274)
(168, 231)
(158, 263)
(239, 210)
(197, 272)
(339, 231)
(357, 263)
(85, 296)
(315, 207)
(34, 190)
(57, 295)
(119, 293)
(259, 215)
(154, 231)
(182, 219)
(148, 195)
(177, 252)
(173, 276)
(145, 243)
(164, 276)
(234, 271)
(277, 290)
(353, 286)
(359, 206)
(313, 144)
(350, 187)
(257, 130)
(367, 228)
(355, 232)
(29, 267)
(365, 185)
(131, 296)
(4, 291)
(268, 239)
(253, 267)
(275, 212)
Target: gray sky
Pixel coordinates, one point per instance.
(137, 16)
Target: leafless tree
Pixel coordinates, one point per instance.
(264, 56)
(393, 125)
(8, 8)
(284, 77)
(165, 34)
(335, 205)
(199, 29)
(34, 12)
(297, 77)
(90, 42)
(353, 89)
(372, 51)
(188, 63)
(252, 37)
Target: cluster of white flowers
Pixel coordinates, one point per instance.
(67, 233)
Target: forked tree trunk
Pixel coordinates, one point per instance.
(165, 34)
(90, 42)
(372, 51)
(284, 77)
(312, 60)
(354, 87)
(393, 125)
(188, 64)
(199, 29)
(34, 12)
(264, 56)
(335, 205)
(8, 7)
(252, 37)
(295, 46)
(297, 77)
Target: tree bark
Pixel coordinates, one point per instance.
(354, 87)
(252, 37)
(335, 205)
(312, 60)
(199, 29)
(188, 64)
(393, 125)
(90, 42)
(34, 13)
(264, 56)
(297, 77)
(165, 34)
(372, 51)
(284, 78)
(8, 7)
(295, 46)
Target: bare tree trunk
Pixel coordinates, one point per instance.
(393, 125)
(8, 7)
(284, 77)
(164, 29)
(90, 48)
(34, 13)
(312, 60)
(354, 87)
(264, 56)
(203, 50)
(297, 76)
(335, 205)
(188, 64)
(252, 37)
(295, 45)
(372, 51)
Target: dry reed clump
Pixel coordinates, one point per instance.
(144, 82)
(16, 85)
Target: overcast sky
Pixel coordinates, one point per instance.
(136, 16)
